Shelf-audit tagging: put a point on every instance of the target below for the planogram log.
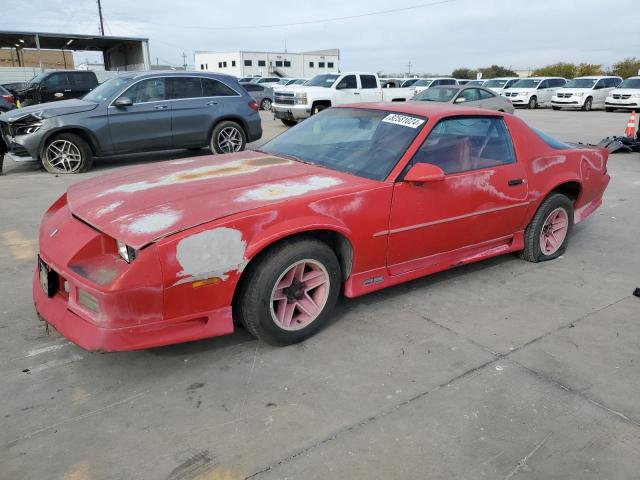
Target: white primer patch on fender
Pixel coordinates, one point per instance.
(289, 188)
(108, 209)
(403, 120)
(153, 222)
(212, 253)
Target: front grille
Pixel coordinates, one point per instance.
(620, 96)
(284, 98)
(565, 95)
(511, 94)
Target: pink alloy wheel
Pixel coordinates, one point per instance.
(299, 295)
(554, 231)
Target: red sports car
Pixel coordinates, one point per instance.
(352, 200)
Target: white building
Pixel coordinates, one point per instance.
(282, 64)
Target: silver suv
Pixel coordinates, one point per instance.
(134, 112)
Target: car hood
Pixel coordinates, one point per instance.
(625, 91)
(141, 204)
(51, 109)
(521, 90)
(574, 90)
(306, 89)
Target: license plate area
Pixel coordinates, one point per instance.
(48, 278)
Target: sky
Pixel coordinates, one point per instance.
(436, 37)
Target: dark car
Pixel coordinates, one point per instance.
(7, 100)
(56, 85)
(134, 112)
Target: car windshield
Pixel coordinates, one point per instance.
(408, 83)
(424, 82)
(495, 83)
(437, 94)
(300, 81)
(526, 83)
(581, 83)
(106, 89)
(366, 143)
(323, 80)
(37, 78)
(630, 83)
(552, 142)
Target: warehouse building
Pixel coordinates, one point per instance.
(281, 64)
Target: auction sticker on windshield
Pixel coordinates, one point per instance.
(404, 120)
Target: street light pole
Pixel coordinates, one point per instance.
(100, 15)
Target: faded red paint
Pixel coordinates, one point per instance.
(249, 200)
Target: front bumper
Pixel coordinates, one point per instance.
(567, 102)
(22, 148)
(519, 100)
(630, 103)
(291, 112)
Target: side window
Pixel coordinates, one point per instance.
(602, 83)
(469, 95)
(543, 84)
(615, 82)
(149, 90)
(448, 82)
(435, 83)
(558, 82)
(214, 88)
(185, 87)
(470, 143)
(368, 81)
(486, 94)
(510, 83)
(57, 80)
(348, 82)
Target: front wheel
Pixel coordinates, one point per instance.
(608, 109)
(318, 109)
(588, 103)
(290, 292)
(67, 153)
(265, 104)
(547, 235)
(533, 103)
(227, 137)
(556, 108)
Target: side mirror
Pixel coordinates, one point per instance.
(424, 172)
(460, 100)
(123, 102)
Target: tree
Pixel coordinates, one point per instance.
(497, 71)
(627, 68)
(561, 69)
(463, 73)
(586, 69)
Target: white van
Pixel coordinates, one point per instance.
(500, 84)
(626, 96)
(534, 91)
(425, 83)
(585, 92)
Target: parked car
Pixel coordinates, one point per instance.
(330, 89)
(247, 79)
(477, 83)
(391, 82)
(499, 85)
(262, 95)
(424, 83)
(56, 85)
(7, 101)
(466, 95)
(625, 96)
(151, 256)
(134, 112)
(533, 92)
(584, 92)
(409, 82)
(266, 81)
(285, 82)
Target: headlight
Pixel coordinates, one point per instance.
(523, 94)
(26, 129)
(126, 252)
(579, 94)
(635, 95)
(301, 99)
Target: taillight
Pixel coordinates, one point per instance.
(253, 105)
(8, 98)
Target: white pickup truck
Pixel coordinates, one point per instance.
(325, 90)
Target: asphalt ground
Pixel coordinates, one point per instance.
(502, 369)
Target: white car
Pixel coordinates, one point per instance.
(532, 92)
(288, 82)
(584, 92)
(500, 84)
(425, 83)
(626, 96)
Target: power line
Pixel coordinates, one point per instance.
(307, 22)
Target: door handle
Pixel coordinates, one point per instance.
(356, 93)
(515, 181)
(213, 102)
(161, 107)
(68, 90)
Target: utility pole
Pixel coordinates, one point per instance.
(101, 22)
(409, 66)
(184, 60)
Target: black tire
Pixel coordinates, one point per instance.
(586, 106)
(288, 122)
(318, 109)
(608, 109)
(532, 249)
(533, 103)
(265, 104)
(555, 108)
(220, 143)
(254, 305)
(78, 159)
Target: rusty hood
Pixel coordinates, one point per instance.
(141, 204)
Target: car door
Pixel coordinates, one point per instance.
(543, 92)
(145, 125)
(56, 86)
(369, 91)
(347, 90)
(479, 205)
(490, 100)
(600, 91)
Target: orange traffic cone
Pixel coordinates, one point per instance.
(631, 126)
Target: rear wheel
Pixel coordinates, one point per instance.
(288, 122)
(547, 235)
(67, 153)
(533, 103)
(291, 292)
(227, 137)
(556, 108)
(588, 103)
(265, 104)
(608, 109)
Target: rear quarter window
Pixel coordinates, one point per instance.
(550, 141)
